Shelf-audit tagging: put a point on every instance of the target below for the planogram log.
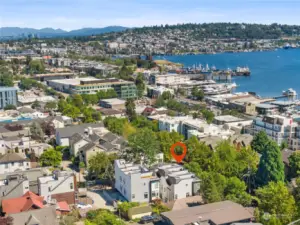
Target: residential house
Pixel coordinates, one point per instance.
(90, 143)
(31, 175)
(136, 182)
(218, 213)
(63, 135)
(177, 182)
(13, 186)
(11, 162)
(44, 216)
(29, 201)
(60, 186)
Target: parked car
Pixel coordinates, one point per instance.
(146, 219)
(156, 217)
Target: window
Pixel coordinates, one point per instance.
(49, 188)
(71, 186)
(27, 164)
(133, 196)
(6, 165)
(176, 196)
(187, 194)
(156, 185)
(12, 163)
(146, 195)
(21, 164)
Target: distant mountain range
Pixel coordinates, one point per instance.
(50, 32)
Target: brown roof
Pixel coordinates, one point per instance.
(11, 157)
(218, 213)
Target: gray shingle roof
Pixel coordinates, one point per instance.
(45, 216)
(86, 147)
(107, 146)
(67, 132)
(75, 138)
(109, 137)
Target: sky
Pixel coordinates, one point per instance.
(76, 14)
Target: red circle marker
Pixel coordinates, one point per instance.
(178, 158)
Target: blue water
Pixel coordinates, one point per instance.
(271, 72)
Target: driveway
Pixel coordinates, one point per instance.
(99, 201)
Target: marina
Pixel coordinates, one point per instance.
(271, 71)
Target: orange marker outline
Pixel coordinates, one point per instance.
(178, 158)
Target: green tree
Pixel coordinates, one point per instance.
(77, 100)
(37, 131)
(101, 165)
(166, 140)
(61, 105)
(197, 93)
(284, 145)
(130, 109)
(208, 115)
(36, 66)
(259, 141)
(166, 95)
(10, 107)
(271, 167)
(160, 102)
(211, 192)
(236, 191)
(108, 218)
(35, 105)
(71, 111)
(294, 163)
(51, 157)
(275, 199)
(140, 84)
(51, 105)
(144, 146)
(6, 79)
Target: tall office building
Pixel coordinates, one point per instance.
(8, 96)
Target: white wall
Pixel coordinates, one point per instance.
(13, 166)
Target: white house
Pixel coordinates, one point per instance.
(11, 162)
(136, 182)
(59, 186)
(177, 182)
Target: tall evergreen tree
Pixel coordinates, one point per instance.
(271, 167)
(130, 109)
(259, 141)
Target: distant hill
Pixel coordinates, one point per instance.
(50, 32)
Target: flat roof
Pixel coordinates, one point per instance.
(228, 118)
(113, 101)
(283, 103)
(77, 81)
(266, 106)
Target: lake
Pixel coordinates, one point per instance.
(271, 72)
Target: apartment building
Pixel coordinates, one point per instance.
(278, 128)
(136, 182)
(169, 182)
(60, 186)
(168, 79)
(177, 182)
(8, 96)
(91, 85)
(189, 127)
